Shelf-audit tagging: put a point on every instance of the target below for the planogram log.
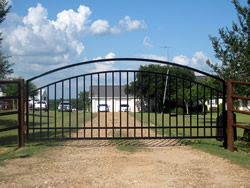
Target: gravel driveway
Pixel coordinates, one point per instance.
(90, 163)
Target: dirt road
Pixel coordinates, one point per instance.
(88, 163)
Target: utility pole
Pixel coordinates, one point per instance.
(167, 47)
(165, 90)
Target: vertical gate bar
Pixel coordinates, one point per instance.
(127, 107)
(224, 115)
(211, 110)
(141, 105)
(91, 113)
(98, 91)
(190, 95)
(22, 112)
(176, 105)
(204, 114)
(77, 107)
(21, 109)
(120, 102)
(55, 109)
(19, 115)
(48, 108)
(113, 102)
(40, 113)
(218, 111)
(106, 104)
(27, 108)
(62, 109)
(169, 104)
(156, 105)
(84, 108)
(148, 105)
(33, 109)
(183, 104)
(163, 107)
(197, 107)
(70, 108)
(134, 107)
(230, 119)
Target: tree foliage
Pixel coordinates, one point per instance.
(12, 89)
(232, 48)
(83, 97)
(150, 86)
(5, 65)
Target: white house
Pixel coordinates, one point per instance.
(244, 105)
(213, 103)
(117, 98)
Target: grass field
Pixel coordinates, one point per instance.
(203, 125)
(56, 124)
(8, 139)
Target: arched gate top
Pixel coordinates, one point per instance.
(124, 59)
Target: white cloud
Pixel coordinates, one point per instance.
(110, 55)
(132, 25)
(35, 39)
(73, 22)
(104, 66)
(146, 42)
(198, 61)
(37, 35)
(182, 60)
(199, 58)
(100, 27)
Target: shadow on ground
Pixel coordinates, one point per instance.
(108, 143)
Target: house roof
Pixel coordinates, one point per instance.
(201, 77)
(109, 91)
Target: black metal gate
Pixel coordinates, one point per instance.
(127, 104)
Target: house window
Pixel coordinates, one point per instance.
(213, 102)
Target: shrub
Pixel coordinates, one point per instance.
(179, 110)
(213, 109)
(220, 107)
(246, 135)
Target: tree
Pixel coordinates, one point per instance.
(150, 86)
(12, 89)
(232, 48)
(5, 66)
(83, 96)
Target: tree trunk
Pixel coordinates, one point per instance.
(186, 104)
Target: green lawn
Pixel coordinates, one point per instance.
(8, 139)
(171, 125)
(60, 125)
(202, 125)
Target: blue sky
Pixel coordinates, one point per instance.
(41, 35)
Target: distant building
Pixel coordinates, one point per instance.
(118, 96)
(201, 77)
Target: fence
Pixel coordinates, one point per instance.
(230, 110)
(19, 95)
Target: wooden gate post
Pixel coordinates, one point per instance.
(230, 118)
(21, 113)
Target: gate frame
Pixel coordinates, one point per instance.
(20, 110)
(230, 109)
(139, 60)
